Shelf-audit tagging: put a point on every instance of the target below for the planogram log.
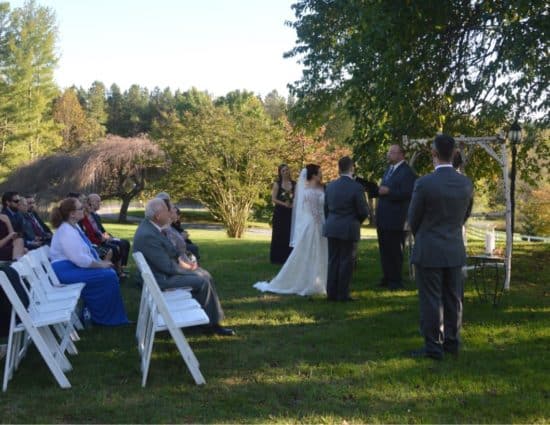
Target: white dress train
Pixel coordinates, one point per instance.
(305, 271)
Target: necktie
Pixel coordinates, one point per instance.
(35, 226)
(388, 174)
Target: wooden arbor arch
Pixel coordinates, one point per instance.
(496, 147)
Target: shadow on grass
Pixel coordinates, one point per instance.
(299, 359)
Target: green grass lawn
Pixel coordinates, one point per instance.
(305, 360)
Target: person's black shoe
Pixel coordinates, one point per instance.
(452, 351)
(221, 331)
(396, 287)
(383, 283)
(421, 353)
(347, 299)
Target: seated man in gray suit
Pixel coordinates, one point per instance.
(169, 271)
(440, 205)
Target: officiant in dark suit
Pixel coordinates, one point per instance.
(440, 205)
(345, 209)
(394, 195)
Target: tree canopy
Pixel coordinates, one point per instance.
(223, 156)
(27, 87)
(420, 67)
(115, 167)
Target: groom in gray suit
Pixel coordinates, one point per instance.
(440, 205)
(163, 258)
(345, 210)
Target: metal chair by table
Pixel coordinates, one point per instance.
(486, 268)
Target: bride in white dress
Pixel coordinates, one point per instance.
(305, 271)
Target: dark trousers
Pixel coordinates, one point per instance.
(123, 248)
(440, 292)
(5, 305)
(340, 268)
(390, 245)
(203, 290)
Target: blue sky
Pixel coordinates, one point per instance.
(214, 45)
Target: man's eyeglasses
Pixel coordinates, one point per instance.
(15, 201)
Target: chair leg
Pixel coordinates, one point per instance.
(146, 357)
(46, 353)
(51, 342)
(64, 333)
(188, 356)
(10, 357)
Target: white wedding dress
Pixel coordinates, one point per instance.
(305, 271)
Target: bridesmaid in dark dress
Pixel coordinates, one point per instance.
(282, 196)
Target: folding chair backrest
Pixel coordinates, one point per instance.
(26, 274)
(141, 263)
(155, 304)
(42, 255)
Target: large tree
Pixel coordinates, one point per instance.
(115, 167)
(223, 156)
(415, 68)
(275, 105)
(96, 104)
(77, 128)
(27, 86)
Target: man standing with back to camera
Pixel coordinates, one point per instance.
(440, 205)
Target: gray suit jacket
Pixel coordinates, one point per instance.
(440, 205)
(345, 209)
(159, 252)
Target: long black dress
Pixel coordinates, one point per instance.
(6, 251)
(280, 236)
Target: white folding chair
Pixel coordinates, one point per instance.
(51, 288)
(37, 326)
(41, 305)
(40, 256)
(160, 315)
(175, 297)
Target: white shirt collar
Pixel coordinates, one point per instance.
(443, 166)
(346, 175)
(156, 225)
(398, 164)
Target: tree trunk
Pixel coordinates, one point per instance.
(123, 213)
(235, 222)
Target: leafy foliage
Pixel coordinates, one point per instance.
(27, 88)
(222, 156)
(115, 167)
(415, 68)
(77, 128)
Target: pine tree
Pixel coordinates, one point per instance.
(28, 86)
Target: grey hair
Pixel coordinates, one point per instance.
(153, 207)
(163, 195)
